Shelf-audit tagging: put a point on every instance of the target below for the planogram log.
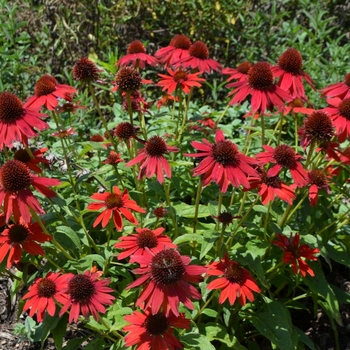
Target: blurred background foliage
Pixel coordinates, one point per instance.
(48, 36)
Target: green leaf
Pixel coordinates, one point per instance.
(209, 240)
(210, 313)
(67, 238)
(59, 332)
(188, 237)
(196, 341)
(74, 344)
(305, 339)
(188, 211)
(260, 209)
(97, 343)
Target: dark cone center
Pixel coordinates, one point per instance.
(226, 153)
(45, 85)
(347, 80)
(234, 273)
(14, 176)
(11, 108)
(124, 131)
(273, 181)
(46, 288)
(244, 67)
(180, 76)
(344, 108)
(291, 61)
(18, 233)
(260, 76)
(128, 79)
(180, 41)
(85, 70)
(146, 239)
(318, 178)
(199, 49)
(225, 217)
(114, 201)
(81, 288)
(319, 126)
(156, 324)
(285, 156)
(156, 147)
(136, 47)
(22, 155)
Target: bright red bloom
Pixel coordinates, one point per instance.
(271, 186)
(175, 51)
(291, 75)
(317, 180)
(166, 276)
(259, 84)
(165, 100)
(43, 294)
(149, 331)
(15, 193)
(293, 253)
(116, 204)
(340, 90)
(297, 106)
(21, 236)
(48, 91)
(136, 244)
(113, 158)
(240, 73)
(284, 157)
(180, 79)
(339, 110)
(18, 120)
(199, 59)
(222, 163)
(137, 56)
(236, 281)
(152, 160)
(87, 294)
(23, 156)
(64, 133)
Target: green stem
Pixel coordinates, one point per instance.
(222, 115)
(266, 221)
(296, 130)
(280, 130)
(168, 202)
(205, 305)
(219, 209)
(297, 207)
(311, 151)
(198, 198)
(262, 129)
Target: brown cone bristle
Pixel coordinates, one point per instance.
(273, 181)
(157, 324)
(167, 267)
(128, 79)
(200, 50)
(318, 178)
(81, 288)
(234, 273)
(297, 102)
(146, 238)
(15, 176)
(244, 67)
(124, 131)
(225, 218)
(291, 61)
(46, 288)
(114, 201)
(136, 47)
(97, 138)
(22, 155)
(226, 153)
(319, 126)
(344, 108)
(85, 70)
(156, 147)
(180, 76)
(160, 212)
(45, 85)
(260, 76)
(347, 80)
(285, 156)
(18, 233)
(180, 41)
(11, 107)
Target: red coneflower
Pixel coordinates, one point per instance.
(180, 79)
(64, 133)
(339, 110)
(160, 212)
(259, 84)
(284, 157)
(128, 80)
(116, 204)
(149, 331)
(124, 131)
(85, 70)
(199, 59)
(23, 156)
(340, 90)
(152, 160)
(240, 73)
(165, 100)
(167, 275)
(317, 180)
(222, 163)
(113, 158)
(137, 56)
(297, 106)
(18, 120)
(175, 51)
(22, 236)
(136, 244)
(87, 294)
(15, 193)
(47, 91)
(291, 75)
(44, 293)
(225, 218)
(293, 253)
(236, 282)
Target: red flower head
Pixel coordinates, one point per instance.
(125, 131)
(128, 80)
(236, 281)
(297, 106)
(47, 91)
(177, 50)
(284, 157)
(87, 294)
(21, 236)
(340, 90)
(339, 111)
(222, 163)
(43, 294)
(113, 158)
(15, 193)
(165, 100)
(240, 73)
(160, 212)
(167, 275)
(180, 79)
(317, 180)
(152, 160)
(17, 121)
(137, 56)
(138, 103)
(64, 133)
(136, 244)
(149, 331)
(225, 218)
(271, 186)
(23, 156)
(293, 253)
(116, 204)
(85, 70)
(259, 84)
(199, 59)
(291, 74)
